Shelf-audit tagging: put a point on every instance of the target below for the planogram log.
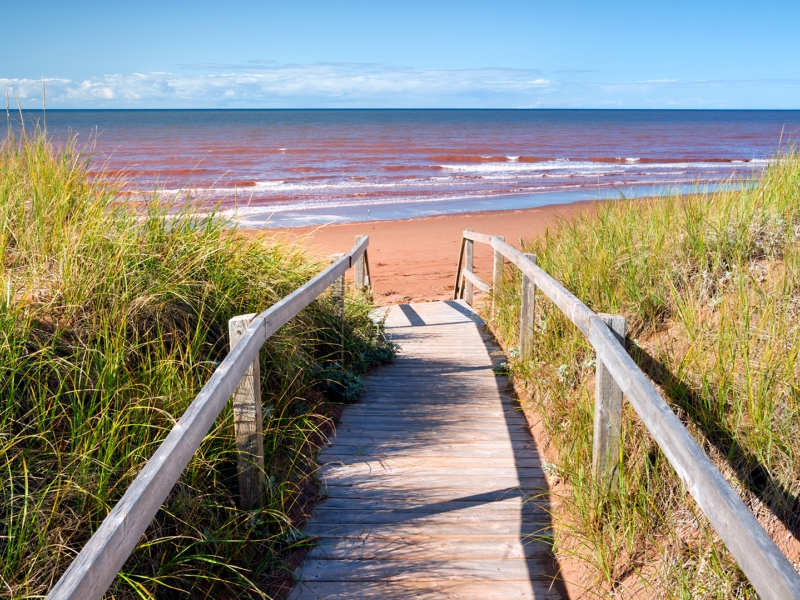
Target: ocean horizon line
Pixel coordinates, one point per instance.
(407, 109)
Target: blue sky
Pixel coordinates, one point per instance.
(243, 53)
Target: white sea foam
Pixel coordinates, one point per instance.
(332, 204)
(459, 182)
(585, 167)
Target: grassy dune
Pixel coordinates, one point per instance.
(710, 288)
(110, 323)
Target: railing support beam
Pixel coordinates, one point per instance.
(367, 274)
(248, 426)
(497, 274)
(337, 293)
(607, 412)
(469, 259)
(527, 314)
(457, 284)
(359, 270)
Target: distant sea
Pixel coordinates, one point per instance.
(301, 167)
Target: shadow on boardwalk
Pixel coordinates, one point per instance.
(434, 483)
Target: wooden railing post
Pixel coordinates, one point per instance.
(459, 278)
(607, 412)
(247, 425)
(359, 271)
(367, 275)
(469, 258)
(497, 273)
(337, 293)
(526, 314)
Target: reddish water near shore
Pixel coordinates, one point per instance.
(345, 162)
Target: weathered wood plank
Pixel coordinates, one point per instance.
(471, 451)
(359, 268)
(479, 514)
(607, 413)
(514, 502)
(430, 436)
(447, 570)
(469, 234)
(400, 464)
(476, 281)
(406, 531)
(427, 549)
(420, 446)
(247, 424)
(368, 275)
(429, 590)
(451, 365)
(436, 408)
(527, 313)
(440, 493)
(356, 472)
(498, 272)
(470, 485)
(469, 252)
(479, 380)
(457, 283)
(406, 394)
(491, 422)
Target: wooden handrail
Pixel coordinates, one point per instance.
(97, 564)
(768, 570)
(483, 238)
(476, 281)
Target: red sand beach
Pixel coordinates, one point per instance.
(415, 259)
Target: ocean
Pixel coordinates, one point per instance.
(302, 167)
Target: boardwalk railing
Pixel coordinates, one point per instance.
(769, 571)
(98, 563)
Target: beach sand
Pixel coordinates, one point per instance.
(415, 259)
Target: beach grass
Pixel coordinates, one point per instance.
(111, 320)
(709, 285)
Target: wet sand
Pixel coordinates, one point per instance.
(415, 259)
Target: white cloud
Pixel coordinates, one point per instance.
(268, 84)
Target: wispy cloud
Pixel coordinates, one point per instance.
(268, 84)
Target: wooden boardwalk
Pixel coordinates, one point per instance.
(432, 479)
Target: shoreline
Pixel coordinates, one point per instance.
(414, 259)
(259, 217)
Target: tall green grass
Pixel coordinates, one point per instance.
(110, 323)
(710, 288)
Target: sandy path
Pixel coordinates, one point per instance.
(415, 259)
